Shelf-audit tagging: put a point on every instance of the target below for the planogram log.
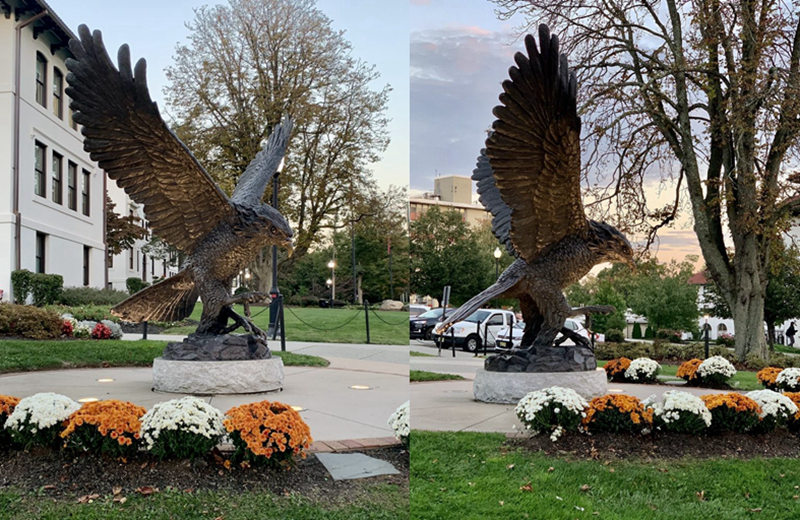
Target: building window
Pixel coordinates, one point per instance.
(110, 260)
(85, 193)
(38, 167)
(56, 191)
(87, 252)
(41, 79)
(72, 185)
(58, 93)
(41, 243)
(72, 122)
(130, 258)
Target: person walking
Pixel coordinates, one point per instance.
(790, 332)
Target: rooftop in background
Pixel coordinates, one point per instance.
(454, 193)
(699, 278)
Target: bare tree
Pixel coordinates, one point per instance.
(702, 96)
(249, 63)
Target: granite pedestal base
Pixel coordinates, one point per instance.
(218, 377)
(510, 387)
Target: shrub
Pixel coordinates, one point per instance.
(21, 284)
(776, 409)
(615, 336)
(29, 322)
(400, 422)
(617, 413)
(182, 428)
(679, 412)
(794, 422)
(726, 340)
(77, 296)
(673, 336)
(135, 284)
(553, 410)
(67, 327)
(767, 377)
(36, 420)
(46, 288)
(110, 427)
(732, 411)
(688, 370)
(615, 369)
(788, 380)
(267, 433)
(116, 330)
(7, 405)
(714, 372)
(86, 312)
(642, 370)
(637, 331)
(100, 331)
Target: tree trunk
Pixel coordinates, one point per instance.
(771, 336)
(748, 321)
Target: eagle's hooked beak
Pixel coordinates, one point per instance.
(289, 246)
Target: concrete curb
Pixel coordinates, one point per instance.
(352, 444)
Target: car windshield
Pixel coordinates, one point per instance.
(477, 316)
(519, 325)
(433, 313)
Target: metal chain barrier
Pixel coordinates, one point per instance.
(358, 313)
(386, 322)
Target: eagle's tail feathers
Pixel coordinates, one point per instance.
(172, 299)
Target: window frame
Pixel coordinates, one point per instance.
(72, 186)
(58, 93)
(57, 178)
(41, 81)
(40, 169)
(86, 193)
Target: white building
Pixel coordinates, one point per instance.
(51, 193)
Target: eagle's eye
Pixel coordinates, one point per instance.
(273, 230)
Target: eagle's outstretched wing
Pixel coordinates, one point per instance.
(252, 183)
(491, 199)
(534, 150)
(125, 134)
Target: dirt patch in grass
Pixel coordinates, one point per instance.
(614, 446)
(63, 476)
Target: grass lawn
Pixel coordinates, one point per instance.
(424, 375)
(472, 476)
(414, 353)
(743, 380)
(24, 355)
(379, 502)
(786, 349)
(339, 325)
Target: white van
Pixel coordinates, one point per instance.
(478, 329)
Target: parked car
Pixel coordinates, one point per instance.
(415, 309)
(471, 333)
(502, 342)
(421, 327)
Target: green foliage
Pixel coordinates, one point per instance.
(726, 340)
(615, 336)
(46, 288)
(423, 375)
(29, 322)
(135, 284)
(445, 251)
(77, 296)
(637, 331)
(181, 444)
(122, 231)
(21, 284)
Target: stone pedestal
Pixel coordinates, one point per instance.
(510, 387)
(218, 377)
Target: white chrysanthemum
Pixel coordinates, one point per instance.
(774, 404)
(566, 402)
(642, 369)
(400, 421)
(187, 414)
(41, 411)
(789, 378)
(674, 403)
(716, 365)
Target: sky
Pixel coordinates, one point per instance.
(153, 28)
(460, 54)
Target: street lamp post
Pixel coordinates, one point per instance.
(274, 292)
(706, 329)
(329, 283)
(497, 255)
(332, 280)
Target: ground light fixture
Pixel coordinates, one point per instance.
(106, 380)
(361, 387)
(88, 400)
(615, 390)
(297, 408)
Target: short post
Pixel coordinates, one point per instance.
(453, 342)
(486, 336)
(366, 317)
(144, 331)
(707, 328)
(280, 322)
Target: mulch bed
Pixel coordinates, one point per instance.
(60, 475)
(615, 446)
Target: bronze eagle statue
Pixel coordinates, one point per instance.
(125, 134)
(529, 178)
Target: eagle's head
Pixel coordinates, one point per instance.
(610, 244)
(274, 226)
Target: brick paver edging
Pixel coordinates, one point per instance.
(351, 444)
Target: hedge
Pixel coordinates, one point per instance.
(29, 322)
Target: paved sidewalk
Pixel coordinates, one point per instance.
(334, 411)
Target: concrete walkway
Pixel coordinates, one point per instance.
(333, 410)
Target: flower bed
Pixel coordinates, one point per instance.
(400, 422)
(182, 428)
(110, 427)
(794, 422)
(776, 409)
(732, 411)
(642, 370)
(267, 432)
(554, 410)
(788, 380)
(7, 405)
(36, 420)
(615, 369)
(767, 376)
(715, 371)
(688, 370)
(679, 412)
(617, 413)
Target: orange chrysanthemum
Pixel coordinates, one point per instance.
(118, 420)
(767, 376)
(732, 411)
(7, 404)
(688, 369)
(734, 400)
(795, 397)
(615, 369)
(617, 412)
(268, 428)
